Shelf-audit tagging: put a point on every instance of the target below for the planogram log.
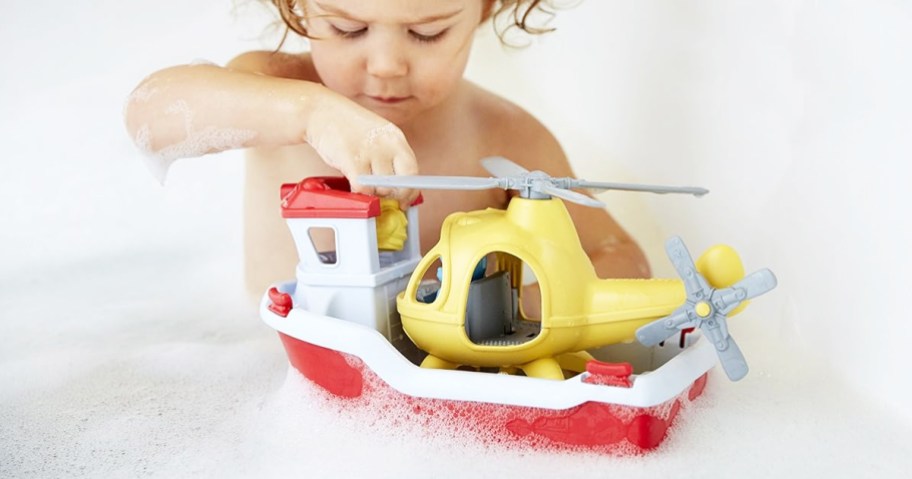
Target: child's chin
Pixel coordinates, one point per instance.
(398, 118)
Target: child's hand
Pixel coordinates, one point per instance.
(357, 141)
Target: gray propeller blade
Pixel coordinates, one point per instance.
(431, 182)
(570, 195)
(695, 286)
(662, 329)
(502, 167)
(600, 185)
(729, 353)
(757, 283)
(751, 286)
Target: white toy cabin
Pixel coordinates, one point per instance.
(341, 272)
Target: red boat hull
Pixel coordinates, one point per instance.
(591, 425)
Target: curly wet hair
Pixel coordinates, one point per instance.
(509, 14)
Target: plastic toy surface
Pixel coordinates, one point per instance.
(366, 309)
(481, 322)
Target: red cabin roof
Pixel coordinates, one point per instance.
(328, 197)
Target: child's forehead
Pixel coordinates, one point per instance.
(403, 11)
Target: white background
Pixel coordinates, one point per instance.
(127, 347)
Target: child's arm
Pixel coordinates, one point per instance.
(193, 110)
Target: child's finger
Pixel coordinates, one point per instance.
(404, 164)
(381, 165)
(406, 201)
(352, 174)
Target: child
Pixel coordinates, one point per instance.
(380, 92)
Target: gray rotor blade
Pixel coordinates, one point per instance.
(757, 283)
(751, 286)
(694, 284)
(600, 185)
(716, 330)
(662, 328)
(726, 299)
(502, 167)
(732, 360)
(431, 182)
(569, 195)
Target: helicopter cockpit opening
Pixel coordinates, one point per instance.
(432, 278)
(494, 315)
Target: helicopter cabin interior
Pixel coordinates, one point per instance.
(494, 315)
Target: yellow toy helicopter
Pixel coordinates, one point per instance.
(473, 315)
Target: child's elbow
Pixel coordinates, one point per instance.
(143, 106)
(136, 113)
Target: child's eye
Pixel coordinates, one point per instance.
(424, 38)
(341, 32)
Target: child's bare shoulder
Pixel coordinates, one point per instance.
(513, 132)
(278, 64)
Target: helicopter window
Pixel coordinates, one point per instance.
(432, 278)
(480, 269)
(323, 240)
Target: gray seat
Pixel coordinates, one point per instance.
(489, 309)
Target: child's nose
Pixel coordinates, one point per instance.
(387, 59)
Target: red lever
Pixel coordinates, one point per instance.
(611, 374)
(280, 303)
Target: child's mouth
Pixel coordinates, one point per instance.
(389, 100)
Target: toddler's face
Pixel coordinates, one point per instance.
(397, 58)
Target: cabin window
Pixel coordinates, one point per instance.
(431, 281)
(323, 240)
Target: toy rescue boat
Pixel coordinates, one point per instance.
(340, 324)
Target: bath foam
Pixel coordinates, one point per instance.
(329, 141)
(197, 142)
(391, 415)
(143, 93)
(382, 131)
(306, 424)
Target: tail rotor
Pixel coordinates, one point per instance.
(707, 308)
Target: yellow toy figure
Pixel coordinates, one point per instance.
(391, 226)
